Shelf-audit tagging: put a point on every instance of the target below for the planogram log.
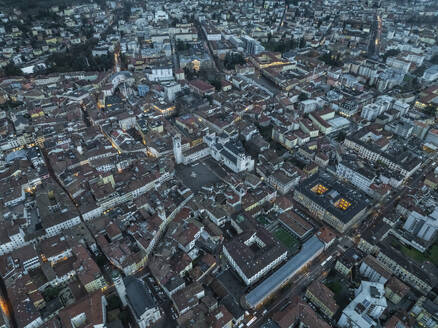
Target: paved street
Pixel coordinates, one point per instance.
(297, 286)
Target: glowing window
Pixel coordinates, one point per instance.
(319, 189)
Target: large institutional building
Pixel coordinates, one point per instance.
(331, 202)
(223, 149)
(254, 254)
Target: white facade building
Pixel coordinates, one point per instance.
(38, 322)
(141, 302)
(252, 46)
(119, 78)
(372, 270)
(230, 153)
(120, 287)
(171, 89)
(57, 228)
(371, 111)
(424, 227)
(177, 150)
(16, 240)
(366, 307)
(198, 153)
(360, 177)
(399, 64)
(431, 74)
(157, 74)
(160, 15)
(92, 213)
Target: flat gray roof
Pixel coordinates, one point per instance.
(310, 249)
(139, 296)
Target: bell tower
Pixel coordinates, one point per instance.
(177, 151)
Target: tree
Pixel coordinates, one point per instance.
(188, 72)
(390, 53)
(430, 110)
(216, 83)
(332, 59)
(126, 11)
(79, 58)
(12, 70)
(182, 46)
(208, 72)
(174, 22)
(422, 20)
(114, 302)
(101, 260)
(341, 136)
(51, 293)
(302, 96)
(283, 45)
(102, 4)
(124, 318)
(302, 43)
(10, 104)
(233, 59)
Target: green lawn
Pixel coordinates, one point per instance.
(262, 220)
(434, 254)
(285, 238)
(340, 289)
(51, 293)
(413, 254)
(334, 286)
(430, 255)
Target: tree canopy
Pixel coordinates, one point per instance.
(80, 58)
(12, 70)
(390, 53)
(332, 59)
(281, 46)
(233, 59)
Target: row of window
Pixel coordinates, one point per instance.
(403, 274)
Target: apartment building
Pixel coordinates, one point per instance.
(323, 298)
(404, 269)
(254, 254)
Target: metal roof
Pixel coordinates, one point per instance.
(310, 249)
(139, 297)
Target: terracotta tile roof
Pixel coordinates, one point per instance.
(299, 311)
(396, 286)
(323, 294)
(90, 306)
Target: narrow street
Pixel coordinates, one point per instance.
(5, 305)
(55, 178)
(207, 45)
(175, 57)
(375, 36)
(163, 301)
(297, 287)
(389, 205)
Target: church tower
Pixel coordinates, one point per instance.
(120, 287)
(177, 151)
